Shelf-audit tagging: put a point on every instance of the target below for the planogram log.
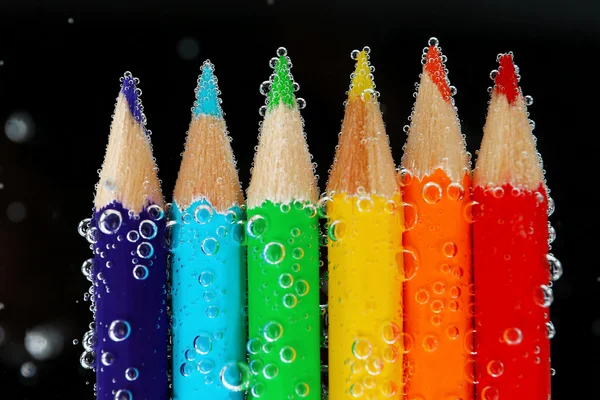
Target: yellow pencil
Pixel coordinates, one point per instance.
(366, 259)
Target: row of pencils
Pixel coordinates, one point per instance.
(438, 279)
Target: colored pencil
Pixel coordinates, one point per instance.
(435, 179)
(208, 266)
(283, 249)
(127, 231)
(366, 260)
(511, 263)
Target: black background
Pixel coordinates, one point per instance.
(65, 76)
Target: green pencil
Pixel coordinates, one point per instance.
(283, 250)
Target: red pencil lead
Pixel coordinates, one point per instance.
(434, 66)
(506, 79)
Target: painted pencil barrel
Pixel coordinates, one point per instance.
(208, 297)
(365, 297)
(130, 296)
(438, 303)
(283, 301)
(511, 273)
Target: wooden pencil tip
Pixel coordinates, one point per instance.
(362, 85)
(506, 78)
(435, 68)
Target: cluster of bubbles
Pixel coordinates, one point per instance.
(372, 355)
(128, 83)
(209, 87)
(365, 70)
(110, 222)
(452, 90)
(281, 84)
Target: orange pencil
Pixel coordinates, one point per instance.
(435, 176)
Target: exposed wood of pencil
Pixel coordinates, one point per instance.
(128, 174)
(282, 170)
(208, 168)
(508, 153)
(363, 157)
(434, 139)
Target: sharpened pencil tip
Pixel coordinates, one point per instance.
(207, 93)
(435, 68)
(132, 94)
(506, 78)
(281, 86)
(362, 84)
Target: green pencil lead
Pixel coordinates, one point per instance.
(280, 87)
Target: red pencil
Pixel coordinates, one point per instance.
(511, 261)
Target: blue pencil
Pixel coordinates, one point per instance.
(208, 263)
(128, 345)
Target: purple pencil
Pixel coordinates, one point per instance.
(129, 340)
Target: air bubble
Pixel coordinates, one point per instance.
(265, 87)
(302, 389)
(203, 344)
(302, 288)
(282, 52)
(430, 343)
(274, 253)
(336, 230)
(354, 54)
(390, 333)
(301, 103)
(119, 330)
(253, 346)
(235, 376)
(364, 204)
(449, 249)
(88, 359)
(257, 226)
(272, 331)
(186, 369)
(155, 212)
(145, 250)
(551, 331)
(433, 41)
(362, 349)
(210, 246)
(205, 367)
(493, 74)
(543, 296)
(83, 227)
(148, 229)
(123, 394)
(206, 278)
(556, 269)
(455, 191)
(422, 296)
(495, 368)
(512, 336)
(287, 354)
(357, 390)
(133, 236)
(289, 300)
(528, 100)
(110, 221)
(432, 192)
(131, 374)
(270, 371)
(212, 311)
(490, 393)
(286, 281)
(87, 268)
(203, 214)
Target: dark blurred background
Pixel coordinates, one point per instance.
(60, 63)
